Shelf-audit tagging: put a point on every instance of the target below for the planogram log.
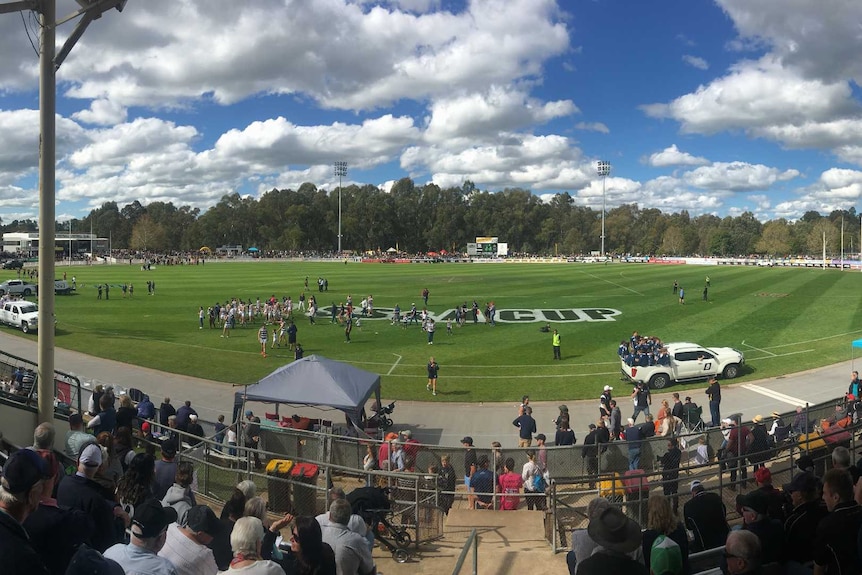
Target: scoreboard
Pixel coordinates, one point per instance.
(487, 247)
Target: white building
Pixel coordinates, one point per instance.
(26, 244)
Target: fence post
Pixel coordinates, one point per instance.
(554, 529)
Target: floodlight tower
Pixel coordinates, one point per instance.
(603, 168)
(341, 172)
(49, 61)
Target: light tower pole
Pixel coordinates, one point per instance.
(49, 61)
(340, 171)
(603, 168)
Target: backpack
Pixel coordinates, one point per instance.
(539, 484)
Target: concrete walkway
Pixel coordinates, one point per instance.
(447, 423)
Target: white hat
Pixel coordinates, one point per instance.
(608, 388)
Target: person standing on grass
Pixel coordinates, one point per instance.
(681, 296)
(429, 327)
(201, 318)
(555, 341)
(291, 335)
(348, 327)
(433, 368)
(262, 337)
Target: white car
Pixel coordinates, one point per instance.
(688, 362)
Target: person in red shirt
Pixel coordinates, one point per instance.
(383, 451)
(411, 448)
(510, 484)
(737, 446)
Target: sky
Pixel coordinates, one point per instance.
(720, 107)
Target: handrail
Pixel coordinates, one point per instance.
(472, 541)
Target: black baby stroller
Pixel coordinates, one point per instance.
(373, 505)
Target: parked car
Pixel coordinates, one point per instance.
(13, 265)
(18, 287)
(20, 314)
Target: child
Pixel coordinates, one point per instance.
(449, 326)
(231, 440)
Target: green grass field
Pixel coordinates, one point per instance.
(788, 319)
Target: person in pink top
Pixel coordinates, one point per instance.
(510, 486)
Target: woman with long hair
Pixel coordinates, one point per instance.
(309, 555)
(111, 471)
(136, 484)
(661, 520)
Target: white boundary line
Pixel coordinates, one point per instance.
(610, 282)
(394, 365)
(779, 355)
(567, 375)
(757, 348)
(773, 394)
(855, 332)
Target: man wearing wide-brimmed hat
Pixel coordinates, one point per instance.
(617, 536)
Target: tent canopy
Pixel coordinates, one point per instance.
(315, 381)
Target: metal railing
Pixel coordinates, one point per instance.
(472, 543)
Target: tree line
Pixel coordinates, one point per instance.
(429, 218)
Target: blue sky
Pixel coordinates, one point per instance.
(708, 106)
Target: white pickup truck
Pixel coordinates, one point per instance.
(18, 287)
(21, 314)
(688, 362)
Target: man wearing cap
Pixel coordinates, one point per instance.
(482, 483)
(194, 428)
(186, 546)
(79, 491)
(411, 447)
(835, 543)
(149, 532)
(774, 497)
(166, 470)
(605, 402)
(706, 516)
(738, 443)
(769, 531)
(76, 437)
(56, 532)
(801, 524)
(20, 491)
(617, 537)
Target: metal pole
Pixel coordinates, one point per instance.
(604, 180)
(47, 211)
(603, 168)
(340, 171)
